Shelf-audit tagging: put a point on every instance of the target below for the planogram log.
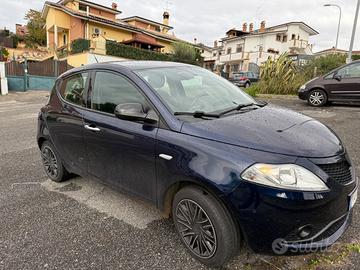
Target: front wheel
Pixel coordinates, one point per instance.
(317, 98)
(247, 85)
(205, 226)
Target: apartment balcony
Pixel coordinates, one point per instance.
(232, 57)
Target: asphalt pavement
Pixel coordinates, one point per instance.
(81, 224)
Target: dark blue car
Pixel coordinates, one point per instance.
(227, 168)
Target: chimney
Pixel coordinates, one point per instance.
(114, 5)
(262, 27)
(251, 27)
(215, 44)
(166, 16)
(244, 27)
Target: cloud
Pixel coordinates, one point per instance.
(209, 20)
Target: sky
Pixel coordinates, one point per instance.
(209, 20)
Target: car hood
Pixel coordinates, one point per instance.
(272, 129)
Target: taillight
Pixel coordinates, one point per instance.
(243, 79)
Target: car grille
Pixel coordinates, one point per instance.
(339, 172)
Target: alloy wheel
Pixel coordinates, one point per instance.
(196, 228)
(316, 98)
(50, 162)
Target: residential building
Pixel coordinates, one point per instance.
(68, 20)
(332, 50)
(247, 49)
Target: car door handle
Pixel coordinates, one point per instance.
(92, 128)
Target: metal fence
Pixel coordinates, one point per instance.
(34, 75)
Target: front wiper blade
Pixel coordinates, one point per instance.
(198, 114)
(241, 106)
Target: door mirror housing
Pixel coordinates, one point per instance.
(135, 112)
(337, 77)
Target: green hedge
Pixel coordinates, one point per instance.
(80, 45)
(121, 50)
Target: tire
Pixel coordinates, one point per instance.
(247, 85)
(317, 98)
(52, 163)
(219, 231)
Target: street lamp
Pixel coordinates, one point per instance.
(338, 30)
(353, 33)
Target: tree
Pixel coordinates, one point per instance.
(36, 32)
(185, 53)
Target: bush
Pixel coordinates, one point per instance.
(186, 53)
(121, 50)
(280, 76)
(253, 90)
(355, 57)
(322, 65)
(80, 45)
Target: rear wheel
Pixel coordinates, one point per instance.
(205, 226)
(317, 98)
(52, 163)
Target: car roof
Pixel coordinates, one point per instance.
(130, 65)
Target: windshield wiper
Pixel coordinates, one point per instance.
(241, 106)
(198, 114)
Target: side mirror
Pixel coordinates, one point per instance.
(135, 112)
(337, 77)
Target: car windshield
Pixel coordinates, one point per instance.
(191, 89)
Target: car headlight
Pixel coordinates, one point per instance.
(284, 176)
(303, 87)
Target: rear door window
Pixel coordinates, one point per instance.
(73, 87)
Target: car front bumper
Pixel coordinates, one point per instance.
(280, 221)
(303, 94)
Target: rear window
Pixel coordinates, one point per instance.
(73, 87)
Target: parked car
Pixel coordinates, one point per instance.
(341, 84)
(225, 167)
(244, 79)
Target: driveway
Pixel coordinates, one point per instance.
(80, 224)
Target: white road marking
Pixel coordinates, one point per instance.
(106, 200)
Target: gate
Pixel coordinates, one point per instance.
(34, 75)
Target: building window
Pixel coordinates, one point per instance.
(214, 54)
(284, 38)
(235, 68)
(293, 36)
(64, 39)
(278, 37)
(228, 51)
(82, 7)
(239, 48)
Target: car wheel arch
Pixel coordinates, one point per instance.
(40, 141)
(167, 198)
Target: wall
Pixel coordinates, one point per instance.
(77, 29)
(57, 17)
(76, 60)
(167, 46)
(102, 13)
(110, 32)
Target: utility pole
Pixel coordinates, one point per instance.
(349, 59)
